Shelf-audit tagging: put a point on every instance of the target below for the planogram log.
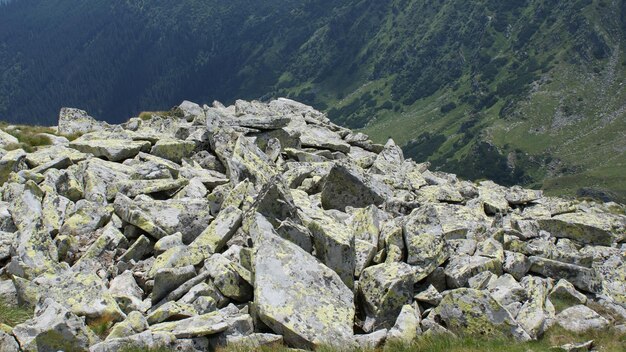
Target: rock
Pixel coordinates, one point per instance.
(127, 293)
(220, 231)
(163, 218)
(515, 264)
(429, 296)
(146, 340)
(75, 121)
(460, 269)
(535, 315)
(167, 279)
(173, 149)
(230, 278)
(334, 246)
(576, 347)
(349, 187)
(580, 319)
(321, 138)
(134, 323)
(201, 325)
(254, 341)
(168, 242)
(472, 312)
(584, 228)
(7, 139)
(133, 188)
(171, 311)
(584, 279)
(12, 161)
(407, 326)
(385, 289)
(141, 248)
(518, 196)
(564, 293)
(372, 340)
(54, 328)
(423, 236)
(298, 297)
(110, 149)
(8, 343)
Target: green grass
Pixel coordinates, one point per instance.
(603, 341)
(11, 315)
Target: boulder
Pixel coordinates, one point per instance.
(345, 186)
(385, 289)
(110, 149)
(75, 122)
(472, 312)
(407, 327)
(299, 298)
(580, 319)
(54, 328)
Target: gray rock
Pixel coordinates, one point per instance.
(298, 297)
(515, 264)
(201, 325)
(565, 294)
(345, 186)
(111, 149)
(220, 231)
(580, 319)
(8, 343)
(167, 279)
(385, 289)
(163, 218)
(127, 293)
(75, 121)
(469, 311)
(146, 340)
(407, 327)
(53, 328)
(584, 279)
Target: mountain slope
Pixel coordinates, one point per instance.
(520, 92)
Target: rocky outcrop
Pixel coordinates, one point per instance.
(265, 223)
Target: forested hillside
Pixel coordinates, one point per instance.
(525, 92)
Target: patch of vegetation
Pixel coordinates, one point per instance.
(11, 315)
(606, 341)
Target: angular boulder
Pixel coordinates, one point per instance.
(298, 297)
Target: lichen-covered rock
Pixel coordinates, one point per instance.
(298, 297)
(580, 319)
(111, 149)
(423, 236)
(201, 325)
(346, 186)
(407, 326)
(127, 293)
(334, 245)
(461, 268)
(8, 343)
(230, 278)
(385, 289)
(584, 228)
(472, 312)
(173, 149)
(163, 218)
(75, 121)
(7, 139)
(54, 328)
(90, 298)
(146, 340)
(564, 293)
(171, 311)
(220, 231)
(585, 279)
(134, 323)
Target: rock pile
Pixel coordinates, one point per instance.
(262, 223)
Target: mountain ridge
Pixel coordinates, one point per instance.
(482, 89)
